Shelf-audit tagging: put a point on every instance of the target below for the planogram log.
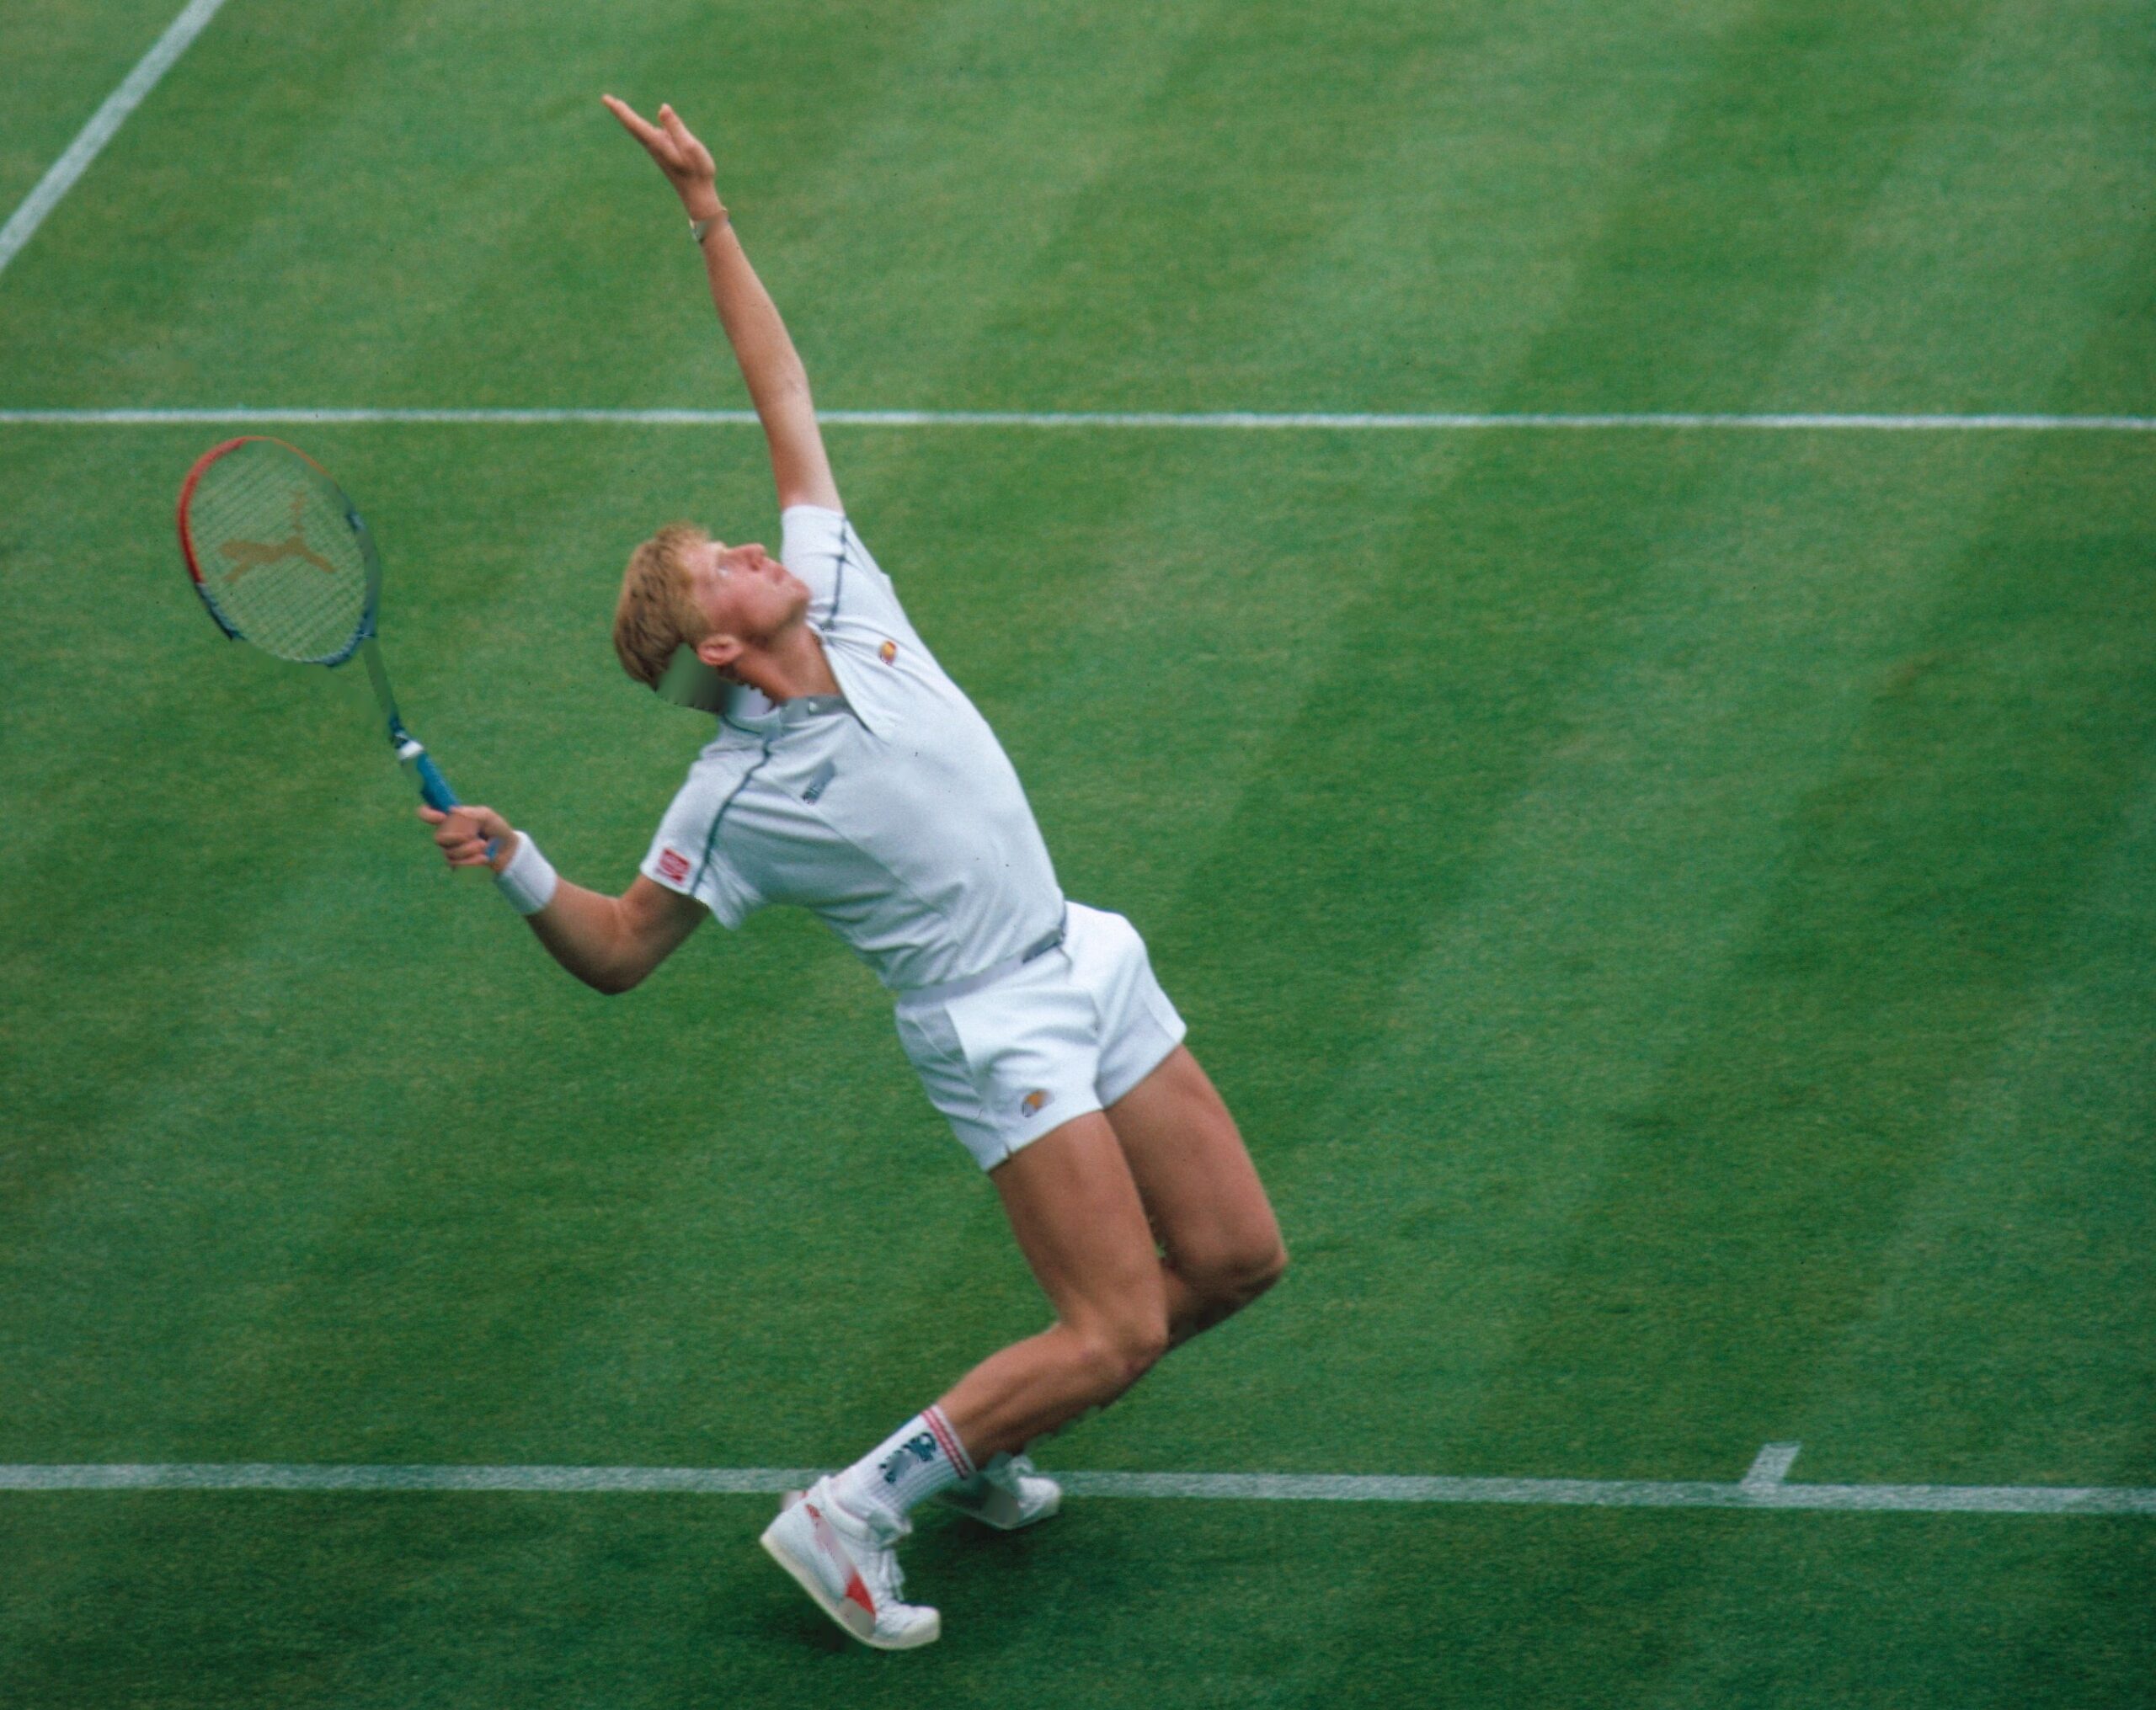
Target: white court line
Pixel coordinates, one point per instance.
(1771, 1465)
(21, 225)
(242, 416)
(1752, 1492)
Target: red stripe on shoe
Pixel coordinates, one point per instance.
(856, 1588)
(949, 1439)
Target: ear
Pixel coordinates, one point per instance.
(718, 651)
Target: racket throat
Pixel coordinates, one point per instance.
(409, 749)
(434, 788)
(378, 675)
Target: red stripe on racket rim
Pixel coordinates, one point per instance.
(187, 496)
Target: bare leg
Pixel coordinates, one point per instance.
(1221, 1241)
(1088, 1204)
(1080, 1223)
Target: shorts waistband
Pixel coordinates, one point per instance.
(945, 990)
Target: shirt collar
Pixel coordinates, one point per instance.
(747, 709)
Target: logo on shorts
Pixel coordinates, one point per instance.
(1032, 1103)
(888, 651)
(673, 865)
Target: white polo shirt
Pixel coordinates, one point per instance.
(889, 810)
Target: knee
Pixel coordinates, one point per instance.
(1233, 1276)
(1123, 1350)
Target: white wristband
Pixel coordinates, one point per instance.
(529, 879)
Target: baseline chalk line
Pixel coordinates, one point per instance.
(1764, 1486)
(60, 177)
(1225, 420)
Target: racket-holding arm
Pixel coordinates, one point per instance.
(609, 943)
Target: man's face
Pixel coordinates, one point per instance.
(746, 593)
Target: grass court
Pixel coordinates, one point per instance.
(1671, 909)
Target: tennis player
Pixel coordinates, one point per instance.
(851, 776)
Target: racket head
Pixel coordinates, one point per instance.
(278, 555)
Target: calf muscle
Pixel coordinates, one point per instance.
(1207, 1207)
(1144, 1225)
(1081, 1225)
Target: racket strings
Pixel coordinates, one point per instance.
(278, 557)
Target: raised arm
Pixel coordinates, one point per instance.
(778, 384)
(609, 943)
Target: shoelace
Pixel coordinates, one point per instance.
(886, 1571)
(884, 1566)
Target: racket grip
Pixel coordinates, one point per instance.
(434, 788)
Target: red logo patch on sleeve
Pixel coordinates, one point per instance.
(673, 865)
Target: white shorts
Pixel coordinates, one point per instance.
(1071, 1032)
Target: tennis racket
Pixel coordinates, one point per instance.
(282, 558)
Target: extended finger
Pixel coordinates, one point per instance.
(649, 135)
(682, 140)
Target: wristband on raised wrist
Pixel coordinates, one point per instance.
(529, 880)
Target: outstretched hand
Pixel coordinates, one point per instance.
(466, 833)
(686, 162)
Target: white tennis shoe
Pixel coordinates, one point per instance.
(1009, 1495)
(851, 1567)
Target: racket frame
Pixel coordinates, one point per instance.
(434, 788)
(362, 536)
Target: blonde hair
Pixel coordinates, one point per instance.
(657, 613)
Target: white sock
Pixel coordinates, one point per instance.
(922, 1457)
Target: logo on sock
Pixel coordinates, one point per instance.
(922, 1448)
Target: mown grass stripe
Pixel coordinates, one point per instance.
(1235, 1487)
(240, 415)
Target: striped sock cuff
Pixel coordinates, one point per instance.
(947, 1439)
(922, 1457)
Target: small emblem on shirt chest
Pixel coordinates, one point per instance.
(818, 783)
(888, 651)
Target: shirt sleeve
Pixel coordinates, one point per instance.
(686, 857)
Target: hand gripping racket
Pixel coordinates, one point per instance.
(283, 559)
